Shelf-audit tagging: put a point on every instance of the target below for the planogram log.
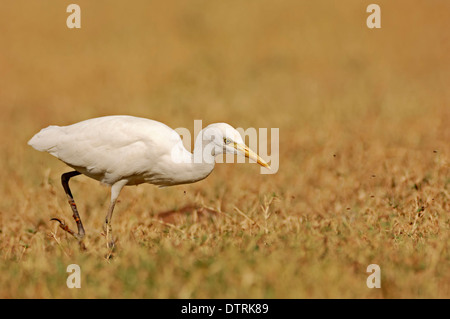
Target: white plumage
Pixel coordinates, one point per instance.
(127, 150)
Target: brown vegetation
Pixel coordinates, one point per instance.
(364, 118)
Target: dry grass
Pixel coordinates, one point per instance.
(364, 148)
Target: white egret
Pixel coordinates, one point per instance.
(126, 150)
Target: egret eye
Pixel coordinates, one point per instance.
(226, 140)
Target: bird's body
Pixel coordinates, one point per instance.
(125, 150)
(114, 148)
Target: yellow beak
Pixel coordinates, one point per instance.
(250, 154)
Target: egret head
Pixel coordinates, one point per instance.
(223, 138)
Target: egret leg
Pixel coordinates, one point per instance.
(115, 191)
(65, 183)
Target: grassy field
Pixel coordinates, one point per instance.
(364, 175)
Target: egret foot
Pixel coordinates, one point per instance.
(107, 232)
(66, 228)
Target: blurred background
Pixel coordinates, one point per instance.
(312, 69)
(254, 64)
(351, 102)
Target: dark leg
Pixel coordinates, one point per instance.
(65, 183)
